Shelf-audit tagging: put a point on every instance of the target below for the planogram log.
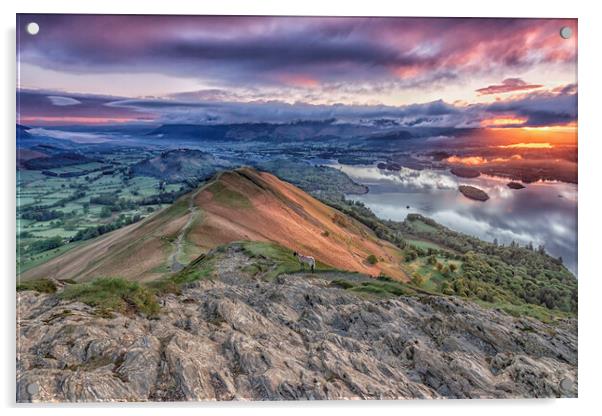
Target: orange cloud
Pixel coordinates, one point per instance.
(479, 160)
(504, 121)
(527, 146)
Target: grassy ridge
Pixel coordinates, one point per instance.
(272, 260)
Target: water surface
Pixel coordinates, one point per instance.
(544, 213)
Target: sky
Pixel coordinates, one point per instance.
(490, 73)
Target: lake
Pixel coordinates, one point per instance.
(543, 213)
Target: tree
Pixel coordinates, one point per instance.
(446, 289)
(47, 244)
(372, 259)
(105, 212)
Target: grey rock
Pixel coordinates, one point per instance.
(294, 338)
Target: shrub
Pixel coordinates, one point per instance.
(46, 244)
(446, 289)
(418, 279)
(372, 259)
(345, 284)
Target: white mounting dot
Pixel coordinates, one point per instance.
(33, 388)
(32, 28)
(566, 32)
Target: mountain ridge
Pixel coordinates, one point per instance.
(242, 204)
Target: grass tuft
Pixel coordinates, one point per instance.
(379, 287)
(109, 295)
(534, 311)
(38, 285)
(272, 260)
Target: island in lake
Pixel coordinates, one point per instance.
(388, 166)
(464, 172)
(515, 185)
(473, 193)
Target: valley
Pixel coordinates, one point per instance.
(161, 207)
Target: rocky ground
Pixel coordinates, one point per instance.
(295, 338)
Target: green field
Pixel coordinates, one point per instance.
(423, 244)
(53, 206)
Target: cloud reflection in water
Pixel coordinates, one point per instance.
(542, 213)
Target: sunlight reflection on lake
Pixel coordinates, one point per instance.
(542, 213)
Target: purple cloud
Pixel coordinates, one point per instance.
(239, 50)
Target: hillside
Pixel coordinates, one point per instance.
(236, 205)
(178, 165)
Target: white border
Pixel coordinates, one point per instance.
(590, 150)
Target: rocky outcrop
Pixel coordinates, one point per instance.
(295, 338)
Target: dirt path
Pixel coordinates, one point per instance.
(174, 263)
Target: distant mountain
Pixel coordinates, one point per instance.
(178, 165)
(243, 204)
(392, 135)
(24, 155)
(320, 181)
(22, 131)
(300, 130)
(56, 161)
(27, 140)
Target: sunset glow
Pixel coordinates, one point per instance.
(412, 71)
(503, 121)
(527, 146)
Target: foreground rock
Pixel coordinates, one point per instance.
(295, 338)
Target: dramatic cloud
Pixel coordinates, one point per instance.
(296, 52)
(414, 72)
(539, 109)
(558, 107)
(508, 85)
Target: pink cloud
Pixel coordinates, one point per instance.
(508, 85)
